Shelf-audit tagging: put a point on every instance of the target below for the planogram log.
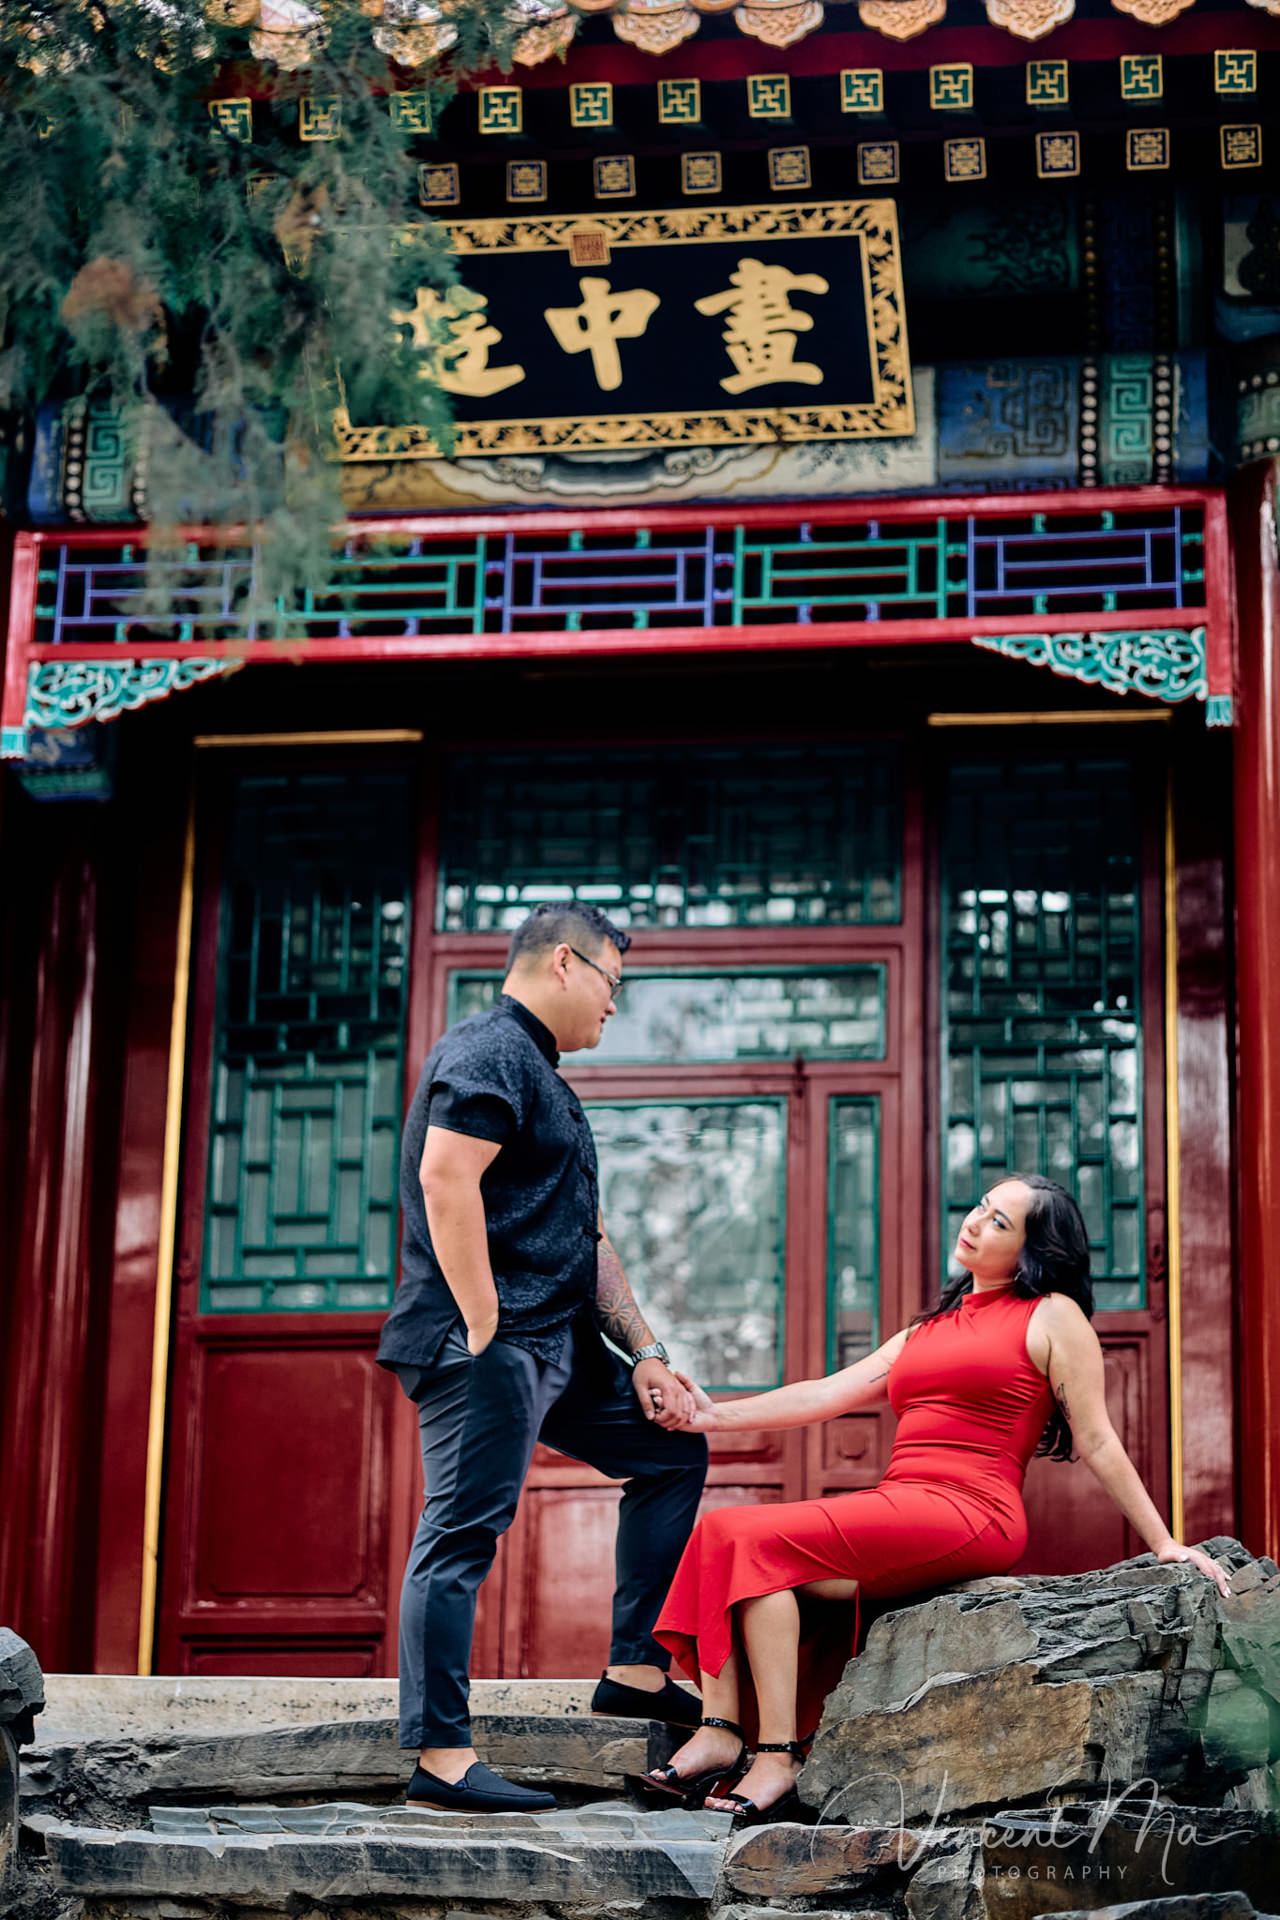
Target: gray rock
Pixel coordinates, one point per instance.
(628, 1863)
(1235, 1730)
(811, 1864)
(110, 1780)
(21, 1698)
(949, 1887)
(1082, 1858)
(1182, 1906)
(1012, 1691)
(1251, 1632)
(8, 1804)
(810, 1913)
(21, 1685)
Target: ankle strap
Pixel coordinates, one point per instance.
(730, 1726)
(798, 1748)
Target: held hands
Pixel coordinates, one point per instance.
(1175, 1552)
(675, 1394)
(665, 1397)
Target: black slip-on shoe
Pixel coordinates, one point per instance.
(672, 1704)
(480, 1790)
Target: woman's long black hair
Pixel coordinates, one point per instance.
(1054, 1259)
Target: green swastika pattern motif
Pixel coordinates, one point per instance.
(1042, 1034)
(308, 1044)
(710, 837)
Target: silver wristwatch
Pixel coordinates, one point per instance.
(654, 1351)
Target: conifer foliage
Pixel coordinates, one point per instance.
(223, 292)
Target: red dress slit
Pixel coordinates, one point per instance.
(971, 1408)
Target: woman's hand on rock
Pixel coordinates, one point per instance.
(1176, 1553)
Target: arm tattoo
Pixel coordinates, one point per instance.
(620, 1317)
(1062, 1402)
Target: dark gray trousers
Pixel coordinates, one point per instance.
(480, 1420)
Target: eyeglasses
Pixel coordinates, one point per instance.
(615, 986)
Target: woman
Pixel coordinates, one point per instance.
(1008, 1360)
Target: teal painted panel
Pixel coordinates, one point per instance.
(1041, 1010)
(696, 837)
(309, 1044)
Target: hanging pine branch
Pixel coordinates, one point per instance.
(223, 293)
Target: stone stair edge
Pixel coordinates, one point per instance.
(551, 1864)
(97, 1705)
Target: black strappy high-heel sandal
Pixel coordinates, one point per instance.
(790, 1807)
(689, 1790)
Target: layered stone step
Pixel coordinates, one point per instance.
(353, 1856)
(612, 1862)
(109, 1746)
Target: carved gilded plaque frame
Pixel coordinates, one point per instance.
(870, 224)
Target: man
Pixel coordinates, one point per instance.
(508, 1282)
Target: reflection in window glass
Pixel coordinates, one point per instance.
(684, 1016)
(692, 1195)
(853, 1227)
(1042, 1035)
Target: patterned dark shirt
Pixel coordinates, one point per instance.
(493, 1076)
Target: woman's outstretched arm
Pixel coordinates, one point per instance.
(805, 1402)
(1075, 1373)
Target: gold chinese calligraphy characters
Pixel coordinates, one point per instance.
(454, 331)
(762, 326)
(596, 326)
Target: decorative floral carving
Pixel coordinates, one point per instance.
(779, 23)
(1029, 19)
(1153, 13)
(288, 33)
(901, 19)
(540, 43)
(413, 32)
(68, 695)
(655, 26)
(1164, 664)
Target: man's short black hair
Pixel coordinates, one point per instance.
(574, 921)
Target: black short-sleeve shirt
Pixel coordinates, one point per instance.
(494, 1077)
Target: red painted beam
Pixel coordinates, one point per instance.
(611, 641)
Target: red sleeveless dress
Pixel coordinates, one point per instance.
(971, 1408)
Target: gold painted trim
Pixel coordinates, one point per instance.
(1173, 1167)
(374, 737)
(165, 1250)
(873, 222)
(1065, 717)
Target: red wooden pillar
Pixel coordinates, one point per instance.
(1257, 851)
(49, 1052)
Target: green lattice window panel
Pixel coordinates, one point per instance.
(694, 1195)
(699, 837)
(853, 1228)
(1042, 1017)
(681, 1015)
(309, 1044)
